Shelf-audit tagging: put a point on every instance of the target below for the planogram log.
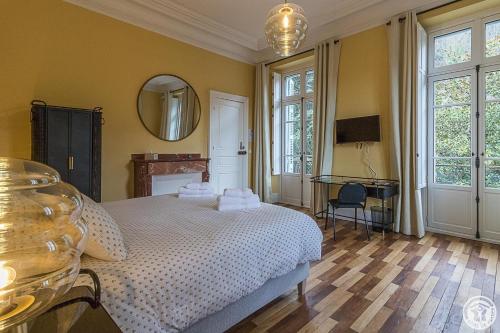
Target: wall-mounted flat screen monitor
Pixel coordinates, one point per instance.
(361, 129)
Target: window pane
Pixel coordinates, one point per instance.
(309, 81)
(292, 139)
(452, 91)
(292, 85)
(292, 112)
(309, 127)
(292, 164)
(492, 129)
(452, 171)
(493, 86)
(492, 173)
(309, 165)
(452, 131)
(493, 39)
(452, 48)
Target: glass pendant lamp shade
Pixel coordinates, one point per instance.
(286, 28)
(41, 238)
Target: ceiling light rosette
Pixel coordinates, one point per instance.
(286, 27)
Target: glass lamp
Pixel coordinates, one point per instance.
(41, 238)
(286, 28)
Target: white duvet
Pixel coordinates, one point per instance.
(186, 260)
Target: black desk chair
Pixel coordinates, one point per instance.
(351, 195)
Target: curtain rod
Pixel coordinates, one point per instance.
(294, 55)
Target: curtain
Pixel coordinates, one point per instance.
(262, 140)
(403, 49)
(326, 70)
(164, 117)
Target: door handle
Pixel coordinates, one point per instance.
(71, 163)
(242, 152)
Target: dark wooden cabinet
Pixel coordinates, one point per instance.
(69, 140)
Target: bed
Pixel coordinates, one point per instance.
(191, 268)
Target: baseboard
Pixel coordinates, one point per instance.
(460, 235)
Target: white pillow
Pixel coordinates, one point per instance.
(105, 239)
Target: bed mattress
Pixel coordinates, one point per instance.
(186, 260)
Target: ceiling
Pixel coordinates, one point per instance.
(234, 28)
(249, 16)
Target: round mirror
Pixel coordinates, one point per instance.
(169, 107)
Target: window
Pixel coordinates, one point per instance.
(292, 95)
(492, 39)
(453, 48)
(276, 115)
(452, 105)
(309, 81)
(292, 85)
(297, 120)
(421, 173)
(492, 129)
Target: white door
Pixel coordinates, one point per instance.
(297, 137)
(452, 151)
(489, 145)
(228, 141)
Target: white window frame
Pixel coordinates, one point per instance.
(421, 174)
(276, 121)
(300, 99)
(476, 22)
(431, 128)
(484, 21)
(455, 67)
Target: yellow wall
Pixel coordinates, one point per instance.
(363, 89)
(69, 56)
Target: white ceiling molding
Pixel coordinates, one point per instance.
(173, 20)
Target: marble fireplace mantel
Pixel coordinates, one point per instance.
(166, 164)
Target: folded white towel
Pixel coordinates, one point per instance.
(225, 203)
(225, 207)
(199, 186)
(185, 190)
(254, 198)
(238, 192)
(187, 196)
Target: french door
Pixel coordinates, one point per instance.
(489, 104)
(297, 137)
(464, 168)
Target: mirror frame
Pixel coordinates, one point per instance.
(139, 113)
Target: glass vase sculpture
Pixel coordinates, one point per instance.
(41, 238)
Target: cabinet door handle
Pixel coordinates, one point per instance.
(71, 163)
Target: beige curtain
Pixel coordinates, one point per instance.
(403, 81)
(262, 141)
(326, 69)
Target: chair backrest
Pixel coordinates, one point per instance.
(352, 193)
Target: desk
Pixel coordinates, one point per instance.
(381, 189)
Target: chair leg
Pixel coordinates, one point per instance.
(327, 211)
(334, 232)
(355, 219)
(366, 225)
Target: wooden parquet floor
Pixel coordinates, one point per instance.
(399, 284)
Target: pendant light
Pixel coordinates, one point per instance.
(286, 28)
